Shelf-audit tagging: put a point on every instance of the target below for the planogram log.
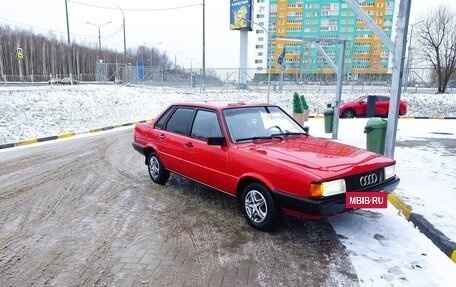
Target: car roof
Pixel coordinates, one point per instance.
(220, 105)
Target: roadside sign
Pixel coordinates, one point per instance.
(20, 53)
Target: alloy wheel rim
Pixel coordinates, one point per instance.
(255, 206)
(154, 167)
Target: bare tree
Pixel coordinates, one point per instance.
(437, 36)
(45, 54)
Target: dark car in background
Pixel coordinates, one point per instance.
(358, 108)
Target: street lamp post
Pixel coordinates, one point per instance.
(270, 57)
(99, 34)
(125, 43)
(70, 52)
(192, 79)
(175, 58)
(191, 63)
(409, 61)
(1, 60)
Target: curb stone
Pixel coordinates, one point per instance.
(68, 134)
(436, 236)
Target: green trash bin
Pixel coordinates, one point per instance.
(375, 131)
(329, 118)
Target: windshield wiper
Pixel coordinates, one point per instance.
(291, 134)
(274, 136)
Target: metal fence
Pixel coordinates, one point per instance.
(420, 80)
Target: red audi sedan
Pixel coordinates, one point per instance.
(358, 108)
(258, 154)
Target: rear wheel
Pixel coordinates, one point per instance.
(258, 207)
(348, 113)
(157, 170)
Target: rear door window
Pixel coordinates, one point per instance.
(161, 122)
(180, 121)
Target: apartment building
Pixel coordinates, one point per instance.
(365, 55)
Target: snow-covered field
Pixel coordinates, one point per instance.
(385, 249)
(31, 112)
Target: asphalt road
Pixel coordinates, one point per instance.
(83, 212)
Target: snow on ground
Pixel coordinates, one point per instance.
(31, 112)
(386, 250)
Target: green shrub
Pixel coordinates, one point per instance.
(297, 104)
(304, 103)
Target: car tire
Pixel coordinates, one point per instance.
(259, 208)
(348, 113)
(156, 169)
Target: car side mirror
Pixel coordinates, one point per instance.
(216, 141)
(362, 102)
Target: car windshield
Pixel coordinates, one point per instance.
(254, 123)
(363, 98)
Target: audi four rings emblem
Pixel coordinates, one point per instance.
(368, 179)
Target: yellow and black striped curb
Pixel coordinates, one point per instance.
(68, 134)
(437, 237)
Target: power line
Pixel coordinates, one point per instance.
(62, 33)
(136, 10)
(8, 21)
(115, 33)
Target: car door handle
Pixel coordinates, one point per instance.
(189, 144)
(162, 136)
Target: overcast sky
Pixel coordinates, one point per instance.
(178, 30)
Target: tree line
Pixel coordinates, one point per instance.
(28, 54)
(43, 55)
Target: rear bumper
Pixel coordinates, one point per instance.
(327, 206)
(139, 148)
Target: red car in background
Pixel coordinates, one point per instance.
(358, 108)
(258, 154)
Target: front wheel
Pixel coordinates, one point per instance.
(157, 170)
(348, 113)
(258, 207)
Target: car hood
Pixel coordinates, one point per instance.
(322, 157)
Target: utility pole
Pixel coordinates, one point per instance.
(204, 52)
(1, 62)
(409, 59)
(99, 33)
(70, 52)
(125, 44)
(269, 57)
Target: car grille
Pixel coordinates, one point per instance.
(364, 181)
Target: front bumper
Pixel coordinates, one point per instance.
(326, 206)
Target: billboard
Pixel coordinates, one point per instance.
(241, 15)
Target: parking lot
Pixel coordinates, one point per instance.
(84, 212)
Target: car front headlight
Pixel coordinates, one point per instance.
(390, 171)
(327, 188)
